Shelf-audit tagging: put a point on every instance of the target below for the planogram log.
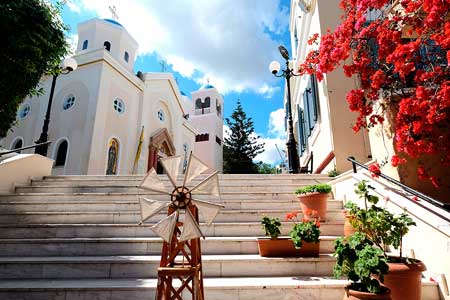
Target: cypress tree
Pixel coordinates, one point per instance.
(242, 145)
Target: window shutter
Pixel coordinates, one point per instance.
(315, 95)
(301, 131)
(307, 119)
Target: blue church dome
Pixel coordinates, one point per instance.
(208, 86)
(113, 22)
(182, 93)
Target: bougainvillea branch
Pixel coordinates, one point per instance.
(399, 51)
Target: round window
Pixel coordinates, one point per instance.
(119, 106)
(24, 111)
(69, 102)
(161, 115)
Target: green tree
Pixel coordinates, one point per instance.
(242, 145)
(33, 44)
(265, 168)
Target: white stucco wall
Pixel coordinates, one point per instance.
(97, 31)
(210, 122)
(333, 129)
(90, 124)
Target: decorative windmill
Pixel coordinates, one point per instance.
(181, 252)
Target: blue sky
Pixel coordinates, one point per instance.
(228, 42)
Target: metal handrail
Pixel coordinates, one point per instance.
(24, 148)
(437, 203)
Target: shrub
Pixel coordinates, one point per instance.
(271, 226)
(319, 188)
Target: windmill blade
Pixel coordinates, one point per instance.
(166, 226)
(194, 168)
(208, 186)
(172, 167)
(208, 210)
(152, 182)
(150, 207)
(191, 230)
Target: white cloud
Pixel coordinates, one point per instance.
(270, 154)
(181, 65)
(226, 131)
(277, 137)
(73, 6)
(276, 123)
(72, 41)
(228, 43)
(267, 90)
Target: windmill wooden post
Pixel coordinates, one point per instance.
(188, 271)
(180, 269)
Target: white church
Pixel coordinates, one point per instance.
(100, 110)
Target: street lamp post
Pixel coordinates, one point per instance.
(294, 165)
(68, 65)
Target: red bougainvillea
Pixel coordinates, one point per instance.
(375, 170)
(399, 50)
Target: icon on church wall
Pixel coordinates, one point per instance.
(113, 151)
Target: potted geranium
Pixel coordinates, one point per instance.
(273, 245)
(305, 234)
(314, 197)
(362, 264)
(385, 230)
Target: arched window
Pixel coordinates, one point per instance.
(107, 45)
(126, 56)
(202, 104)
(218, 109)
(198, 103)
(207, 102)
(113, 153)
(61, 154)
(18, 143)
(161, 115)
(85, 44)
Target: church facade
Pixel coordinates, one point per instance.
(107, 120)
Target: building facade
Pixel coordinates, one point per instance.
(322, 120)
(207, 117)
(102, 113)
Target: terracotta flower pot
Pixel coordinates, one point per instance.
(357, 295)
(314, 201)
(348, 228)
(404, 280)
(284, 247)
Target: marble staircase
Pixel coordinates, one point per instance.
(76, 237)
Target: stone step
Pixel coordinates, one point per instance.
(245, 288)
(134, 230)
(63, 267)
(134, 195)
(112, 217)
(137, 181)
(222, 177)
(131, 246)
(133, 205)
(276, 188)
